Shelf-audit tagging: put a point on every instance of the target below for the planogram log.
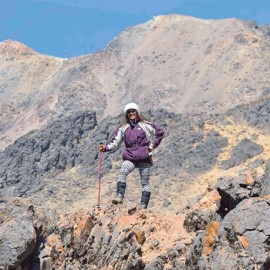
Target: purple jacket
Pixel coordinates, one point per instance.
(138, 136)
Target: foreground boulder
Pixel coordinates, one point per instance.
(231, 225)
(17, 234)
(239, 241)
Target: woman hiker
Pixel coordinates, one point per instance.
(140, 137)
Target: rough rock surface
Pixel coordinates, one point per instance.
(57, 146)
(210, 233)
(122, 237)
(239, 241)
(233, 232)
(18, 240)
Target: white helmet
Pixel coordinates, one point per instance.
(130, 106)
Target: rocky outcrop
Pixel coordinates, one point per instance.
(227, 227)
(122, 237)
(239, 241)
(232, 230)
(21, 232)
(54, 147)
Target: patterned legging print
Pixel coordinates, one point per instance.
(144, 170)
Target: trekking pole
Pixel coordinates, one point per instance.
(99, 175)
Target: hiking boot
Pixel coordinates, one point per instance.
(145, 199)
(120, 192)
(118, 199)
(143, 206)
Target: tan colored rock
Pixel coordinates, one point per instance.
(140, 235)
(243, 240)
(84, 227)
(209, 240)
(54, 241)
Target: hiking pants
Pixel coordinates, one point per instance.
(144, 170)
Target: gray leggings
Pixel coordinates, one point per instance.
(144, 170)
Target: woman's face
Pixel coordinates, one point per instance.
(132, 114)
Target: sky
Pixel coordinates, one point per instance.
(70, 28)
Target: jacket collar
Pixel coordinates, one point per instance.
(134, 122)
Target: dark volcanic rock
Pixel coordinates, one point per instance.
(265, 180)
(204, 157)
(18, 240)
(56, 147)
(259, 114)
(233, 190)
(72, 141)
(246, 149)
(219, 200)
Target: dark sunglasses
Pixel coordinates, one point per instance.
(131, 111)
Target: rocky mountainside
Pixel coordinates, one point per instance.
(206, 83)
(178, 63)
(198, 79)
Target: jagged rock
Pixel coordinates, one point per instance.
(125, 237)
(245, 229)
(265, 180)
(156, 264)
(220, 200)
(18, 240)
(109, 238)
(235, 189)
(17, 233)
(237, 240)
(205, 210)
(56, 146)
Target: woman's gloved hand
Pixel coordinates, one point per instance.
(101, 147)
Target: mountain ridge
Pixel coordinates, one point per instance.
(179, 74)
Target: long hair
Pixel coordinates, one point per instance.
(139, 115)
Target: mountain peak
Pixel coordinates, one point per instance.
(14, 48)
